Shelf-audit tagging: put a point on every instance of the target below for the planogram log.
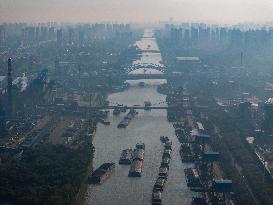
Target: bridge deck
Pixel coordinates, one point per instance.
(132, 107)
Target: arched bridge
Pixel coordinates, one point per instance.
(146, 67)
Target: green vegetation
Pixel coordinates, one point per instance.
(48, 174)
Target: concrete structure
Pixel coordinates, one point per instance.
(3, 82)
(188, 63)
(9, 92)
(268, 115)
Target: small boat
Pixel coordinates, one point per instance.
(102, 121)
(164, 139)
(140, 146)
(116, 111)
(123, 109)
(147, 105)
(141, 84)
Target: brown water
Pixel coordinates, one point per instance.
(146, 127)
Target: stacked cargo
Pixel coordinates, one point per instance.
(127, 119)
(186, 153)
(126, 157)
(163, 171)
(137, 164)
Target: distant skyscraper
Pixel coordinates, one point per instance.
(30, 65)
(268, 116)
(37, 33)
(70, 36)
(59, 37)
(51, 33)
(2, 34)
(57, 69)
(9, 92)
(194, 36)
(81, 37)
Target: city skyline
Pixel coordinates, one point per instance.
(211, 11)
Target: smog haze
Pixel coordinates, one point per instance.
(215, 11)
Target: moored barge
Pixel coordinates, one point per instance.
(136, 169)
(126, 156)
(157, 198)
(138, 154)
(127, 119)
(192, 177)
(186, 153)
(159, 184)
(102, 173)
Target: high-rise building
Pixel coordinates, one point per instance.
(59, 37)
(81, 37)
(9, 92)
(51, 33)
(2, 117)
(71, 36)
(268, 116)
(2, 34)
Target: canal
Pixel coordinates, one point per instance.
(146, 127)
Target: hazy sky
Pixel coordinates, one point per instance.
(218, 11)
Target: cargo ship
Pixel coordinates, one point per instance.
(168, 145)
(186, 153)
(127, 119)
(181, 135)
(102, 173)
(136, 169)
(167, 153)
(126, 156)
(198, 201)
(138, 154)
(165, 162)
(137, 164)
(192, 177)
(157, 198)
(159, 184)
(163, 172)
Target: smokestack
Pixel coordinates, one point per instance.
(10, 103)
